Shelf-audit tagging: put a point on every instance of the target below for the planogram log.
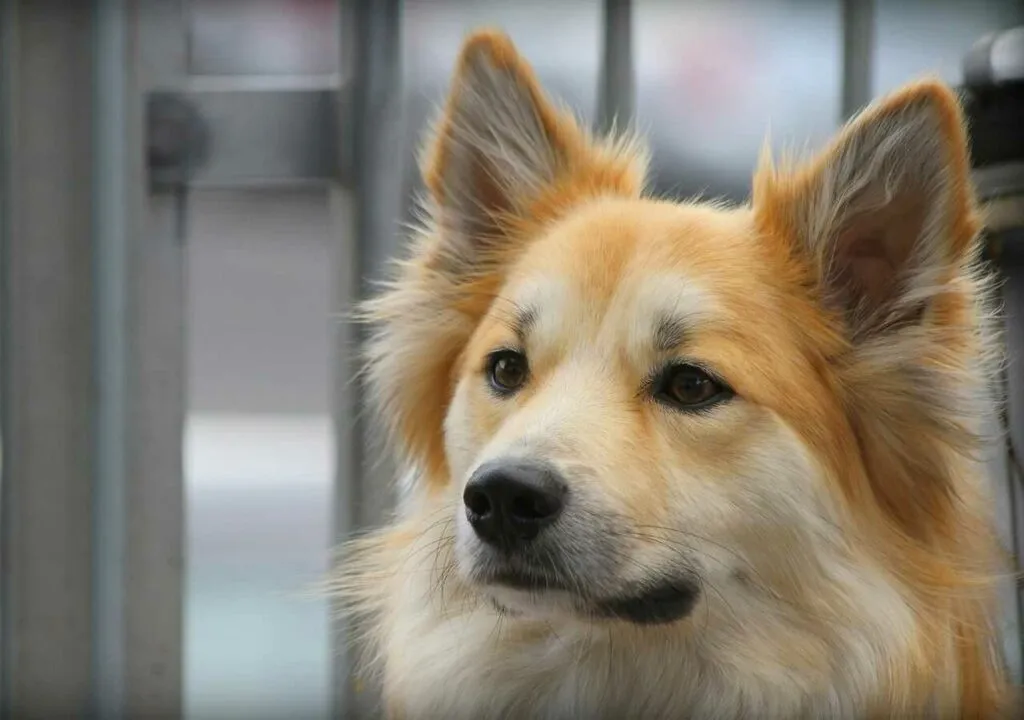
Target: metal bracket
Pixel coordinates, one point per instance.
(232, 135)
(177, 140)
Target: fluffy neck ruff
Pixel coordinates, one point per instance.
(862, 645)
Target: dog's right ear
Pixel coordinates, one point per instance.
(502, 154)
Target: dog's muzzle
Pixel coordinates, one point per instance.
(530, 536)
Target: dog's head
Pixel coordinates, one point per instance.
(628, 406)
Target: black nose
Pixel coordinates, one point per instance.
(509, 502)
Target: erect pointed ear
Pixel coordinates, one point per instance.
(501, 162)
(886, 214)
(501, 150)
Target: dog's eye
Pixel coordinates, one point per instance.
(507, 371)
(690, 388)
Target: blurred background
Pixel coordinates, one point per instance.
(195, 192)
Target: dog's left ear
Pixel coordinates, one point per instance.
(885, 215)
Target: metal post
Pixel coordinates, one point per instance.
(616, 90)
(858, 55)
(989, 70)
(111, 361)
(372, 154)
(1011, 264)
(92, 383)
(374, 130)
(155, 285)
(47, 389)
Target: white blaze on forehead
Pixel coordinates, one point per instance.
(552, 308)
(641, 312)
(657, 308)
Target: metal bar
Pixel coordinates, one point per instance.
(1012, 267)
(154, 521)
(92, 382)
(372, 151)
(266, 137)
(1005, 494)
(617, 80)
(47, 388)
(110, 273)
(858, 55)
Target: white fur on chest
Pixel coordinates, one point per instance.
(461, 662)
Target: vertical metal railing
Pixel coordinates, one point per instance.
(617, 77)
(858, 29)
(46, 391)
(373, 156)
(372, 159)
(110, 273)
(1012, 298)
(91, 531)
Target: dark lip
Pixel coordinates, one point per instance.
(659, 604)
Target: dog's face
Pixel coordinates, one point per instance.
(618, 435)
(628, 407)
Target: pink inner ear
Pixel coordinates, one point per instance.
(874, 276)
(874, 251)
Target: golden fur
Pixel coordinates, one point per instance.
(834, 511)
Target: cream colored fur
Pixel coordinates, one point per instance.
(833, 512)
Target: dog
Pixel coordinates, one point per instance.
(683, 459)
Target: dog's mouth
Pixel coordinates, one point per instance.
(664, 602)
(658, 603)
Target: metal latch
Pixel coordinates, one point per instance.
(177, 140)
